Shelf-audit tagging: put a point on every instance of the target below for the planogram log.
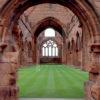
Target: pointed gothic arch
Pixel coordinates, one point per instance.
(10, 14)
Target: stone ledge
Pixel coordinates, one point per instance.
(95, 47)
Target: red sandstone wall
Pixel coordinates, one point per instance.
(71, 26)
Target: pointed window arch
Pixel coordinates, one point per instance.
(50, 49)
(49, 32)
(78, 42)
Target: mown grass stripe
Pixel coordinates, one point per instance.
(27, 85)
(36, 87)
(74, 83)
(54, 81)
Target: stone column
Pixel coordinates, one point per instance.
(37, 54)
(8, 70)
(34, 50)
(64, 49)
(92, 86)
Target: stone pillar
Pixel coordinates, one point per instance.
(34, 50)
(37, 54)
(8, 88)
(92, 87)
(64, 49)
(8, 70)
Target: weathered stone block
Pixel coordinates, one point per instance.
(8, 92)
(7, 67)
(95, 91)
(88, 95)
(8, 79)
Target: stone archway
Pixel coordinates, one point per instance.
(42, 25)
(9, 16)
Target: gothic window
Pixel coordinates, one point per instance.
(68, 45)
(50, 49)
(72, 45)
(49, 32)
(78, 42)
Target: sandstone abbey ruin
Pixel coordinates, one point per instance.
(74, 39)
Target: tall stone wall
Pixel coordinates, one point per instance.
(26, 47)
(88, 14)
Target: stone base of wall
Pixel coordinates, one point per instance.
(92, 90)
(8, 92)
(88, 95)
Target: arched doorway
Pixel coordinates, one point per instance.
(90, 26)
(60, 37)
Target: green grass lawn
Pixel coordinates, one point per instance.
(51, 81)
